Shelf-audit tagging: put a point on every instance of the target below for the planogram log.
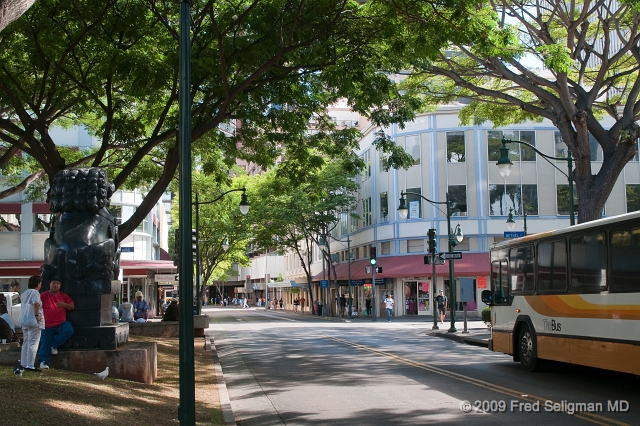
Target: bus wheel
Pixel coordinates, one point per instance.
(526, 345)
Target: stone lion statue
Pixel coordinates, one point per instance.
(82, 247)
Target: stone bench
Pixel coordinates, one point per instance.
(135, 361)
(168, 328)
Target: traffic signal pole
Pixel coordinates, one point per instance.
(432, 253)
(373, 261)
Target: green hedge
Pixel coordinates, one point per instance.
(486, 315)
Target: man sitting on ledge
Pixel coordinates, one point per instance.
(55, 305)
(173, 312)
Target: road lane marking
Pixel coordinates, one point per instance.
(590, 417)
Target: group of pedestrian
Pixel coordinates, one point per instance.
(43, 318)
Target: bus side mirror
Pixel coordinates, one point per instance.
(487, 297)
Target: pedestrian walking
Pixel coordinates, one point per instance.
(280, 302)
(343, 304)
(367, 306)
(441, 301)
(388, 304)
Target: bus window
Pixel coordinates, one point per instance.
(625, 267)
(522, 280)
(552, 267)
(499, 282)
(588, 263)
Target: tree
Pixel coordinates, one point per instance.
(220, 223)
(291, 218)
(591, 57)
(10, 10)
(262, 68)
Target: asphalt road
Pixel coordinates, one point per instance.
(282, 368)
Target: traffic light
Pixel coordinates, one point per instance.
(194, 245)
(378, 269)
(432, 241)
(372, 256)
(176, 247)
(427, 259)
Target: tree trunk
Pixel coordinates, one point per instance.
(10, 10)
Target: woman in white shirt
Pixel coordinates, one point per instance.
(30, 299)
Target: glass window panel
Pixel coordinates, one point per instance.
(625, 268)
(529, 200)
(594, 148)
(366, 171)
(526, 153)
(563, 199)
(499, 282)
(514, 148)
(494, 144)
(412, 146)
(384, 207)
(561, 147)
(522, 278)
(42, 222)
(458, 199)
(415, 246)
(414, 202)
(552, 267)
(588, 263)
(10, 222)
(386, 247)
(455, 147)
(504, 197)
(633, 197)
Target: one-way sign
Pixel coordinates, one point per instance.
(452, 255)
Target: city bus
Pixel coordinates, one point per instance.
(569, 295)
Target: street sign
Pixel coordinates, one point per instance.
(165, 278)
(126, 249)
(324, 283)
(451, 255)
(438, 259)
(513, 234)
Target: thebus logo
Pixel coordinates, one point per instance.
(552, 325)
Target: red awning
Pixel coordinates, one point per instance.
(26, 268)
(471, 265)
(20, 268)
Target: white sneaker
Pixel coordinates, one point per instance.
(54, 351)
(43, 366)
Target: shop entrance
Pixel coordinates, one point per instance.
(417, 297)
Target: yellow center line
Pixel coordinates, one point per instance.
(590, 417)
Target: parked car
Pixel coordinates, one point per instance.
(13, 305)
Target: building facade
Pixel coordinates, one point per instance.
(459, 162)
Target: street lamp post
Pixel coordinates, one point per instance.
(511, 222)
(244, 209)
(187, 407)
(454, 235)
(504, 167)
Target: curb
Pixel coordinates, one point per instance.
(223, 393)
(481, 340)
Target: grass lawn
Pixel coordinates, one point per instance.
(60, 397)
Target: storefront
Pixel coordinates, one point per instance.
(409, 281)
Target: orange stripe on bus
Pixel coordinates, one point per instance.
(574, 306)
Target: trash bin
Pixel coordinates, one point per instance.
(319, 309)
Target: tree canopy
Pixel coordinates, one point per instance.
(591, 56)
(220, 223)
(260, 69)
(290, 218)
